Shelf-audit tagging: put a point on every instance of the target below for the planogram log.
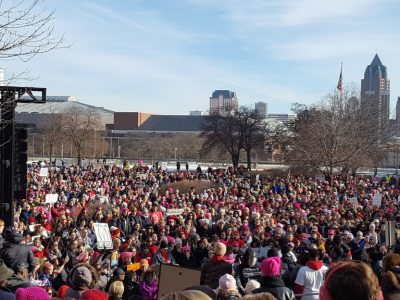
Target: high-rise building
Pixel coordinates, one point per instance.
(375, 94)
(223, 102)
(262, 109)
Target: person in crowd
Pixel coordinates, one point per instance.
(13, 250)
(116, 290)
(20, 279)
(271, 282)
(227, 288)
(251, 285)
(390, 282)
(83, 278)
(212, 269)
(247, 270)
(310, 277)
(351, 280)
(5, 274)
(148, 287)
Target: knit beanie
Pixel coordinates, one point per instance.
(227, 282)
(94, 295)
(271, 266)
(31, 293)
(219, 249)
(251, 285)
(82, 277)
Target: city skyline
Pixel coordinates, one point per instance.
(167, 57)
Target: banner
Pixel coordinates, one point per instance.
(103, 236)
(181, 278)
(51, 198)
(174, 212)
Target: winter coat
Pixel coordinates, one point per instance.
(148, 290)
(243, 275)
(275, 286)
(13, 251)
(15, 282)
(212, 270)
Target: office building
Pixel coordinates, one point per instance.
(223, 102)
(262, 109)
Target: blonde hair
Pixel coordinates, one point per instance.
(186, 295)
(259, 296)
(116, 289)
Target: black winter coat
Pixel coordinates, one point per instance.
(275, 286)
(211, 271)
(13, 251)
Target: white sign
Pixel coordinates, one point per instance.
(51, 198)
(377, 199)
(353, 200)
(44, 172)
(257, 178)
(174, 212)
(58, 163)
(103, 236)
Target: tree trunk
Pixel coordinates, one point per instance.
(248, 155)
(78, 153)
(51, 155)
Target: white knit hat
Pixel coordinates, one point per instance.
(251, 285)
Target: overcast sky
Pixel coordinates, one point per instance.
(168, 56)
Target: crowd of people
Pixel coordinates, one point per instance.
(250, 237)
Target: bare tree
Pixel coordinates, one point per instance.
(80, 126)
(52, 132)
(253, 128)
(334, 134)
(223, 132)
(26, 29)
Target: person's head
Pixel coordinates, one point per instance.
(1, 226)
(144, 265)
(32, 293)
(186, 295)
(5, 273)
(227, 282)
(152, 273)
(20, 268)
(251, 285)
(116, 289)
(249, 258)
(219, 249)
(313, 254)
(271, 266)
(350, 281)
(391, 262)
(119, 274)
(258, 296)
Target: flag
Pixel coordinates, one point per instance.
(340, 82)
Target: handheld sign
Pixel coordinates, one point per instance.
(174, 212)
(103, 236)
(44, 172)
(51, 198)
(183, 278)
(353, 200)
(133, 267)
(377, 199)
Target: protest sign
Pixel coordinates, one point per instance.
(103, 236)
(377, 199)
(133, 267)
(44, 172)
(183, 278)
(353, 200)
(174, 212)
(51, 198)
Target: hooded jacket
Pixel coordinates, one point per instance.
(13, 250)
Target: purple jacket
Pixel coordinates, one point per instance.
(148, 290)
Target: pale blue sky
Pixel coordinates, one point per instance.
(169, 56)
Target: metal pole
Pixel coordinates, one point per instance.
(62, 149)
(175, 152)
(7, 158)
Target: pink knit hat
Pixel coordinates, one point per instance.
(271, 266)
(31, 293)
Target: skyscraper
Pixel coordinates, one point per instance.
(375, 95)
(262, 109)
(223, 102)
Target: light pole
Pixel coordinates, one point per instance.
(175, 152)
